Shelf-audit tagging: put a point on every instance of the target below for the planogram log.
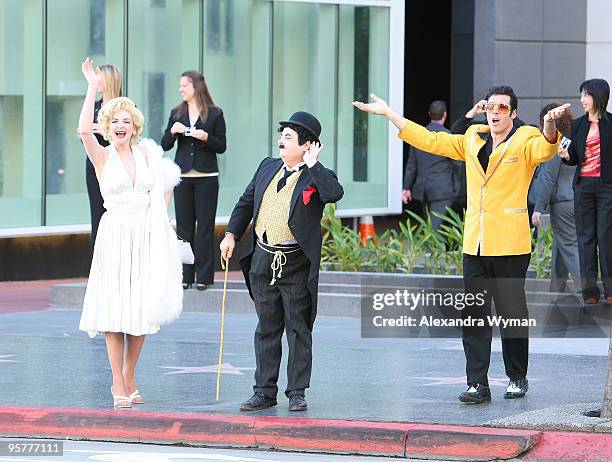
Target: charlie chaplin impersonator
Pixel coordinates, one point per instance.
(285, 199)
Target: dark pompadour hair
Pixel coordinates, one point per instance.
(503, 90)
(599, 90)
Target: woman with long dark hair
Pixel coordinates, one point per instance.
(591, 151)
(109, 87)
(199, 127)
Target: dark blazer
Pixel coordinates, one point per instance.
(191, 152)
(101, 141)
(580, 130)
(554, 183)
(431, 176)
(304, 220)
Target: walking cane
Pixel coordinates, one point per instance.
(222, 327)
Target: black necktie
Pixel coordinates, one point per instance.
(283, 181)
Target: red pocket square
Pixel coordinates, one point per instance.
(307, 193)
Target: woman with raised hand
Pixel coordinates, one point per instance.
(199, 128)
(134, 281)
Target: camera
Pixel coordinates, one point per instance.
(189, 131)
(565, 142)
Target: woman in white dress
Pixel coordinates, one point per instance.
(135, 278)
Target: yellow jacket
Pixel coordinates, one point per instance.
(496, 220)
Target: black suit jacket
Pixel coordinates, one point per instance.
(431, 176)
(191, 152)
(304, 219)
(101, 141)
(580, 130)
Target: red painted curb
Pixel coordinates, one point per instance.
(572, 446)
(471, 443)
(315, 435)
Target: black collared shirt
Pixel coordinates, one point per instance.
(487, 149)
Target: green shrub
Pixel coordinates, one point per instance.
(415, 244)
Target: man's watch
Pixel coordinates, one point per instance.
(233, 235)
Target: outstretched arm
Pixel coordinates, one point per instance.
(380, 107)
(544, 147)
(550, 127)
(96, 153)
(440, 143)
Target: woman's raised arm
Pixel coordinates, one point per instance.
(96, 153)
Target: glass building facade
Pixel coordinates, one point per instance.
(262, 59)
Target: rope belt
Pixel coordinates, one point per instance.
(280, 257)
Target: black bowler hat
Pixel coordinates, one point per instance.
(305, 120)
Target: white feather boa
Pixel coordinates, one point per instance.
(164, 293)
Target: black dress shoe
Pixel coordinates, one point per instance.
(257, 402)
(476, 393)
(517, 388)
(186, 285)
(297, 403)
(201, 286)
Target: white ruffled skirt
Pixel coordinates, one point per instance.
(115, 295)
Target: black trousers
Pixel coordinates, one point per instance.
(593, 210)
(287, 306)
(96, 203)
(195, 200)
(503, 280)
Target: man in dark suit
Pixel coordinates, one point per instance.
(556, 195)
(285, 199)
(429, 179)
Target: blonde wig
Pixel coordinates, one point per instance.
(111, 76)
(114, 106)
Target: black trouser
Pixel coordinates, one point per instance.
(503, 280)
(286, 305)
(593, 210)
(96, 202)
(195, 200)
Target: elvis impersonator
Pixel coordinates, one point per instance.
(500, 160)
(280, 261)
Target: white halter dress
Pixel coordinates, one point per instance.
(115, 295)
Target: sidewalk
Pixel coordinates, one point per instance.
(367, 396)
(28, 296)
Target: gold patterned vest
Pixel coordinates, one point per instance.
(273, 216)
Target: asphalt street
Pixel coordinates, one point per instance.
(85, 451)
(46, 361)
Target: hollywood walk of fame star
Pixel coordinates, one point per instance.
(226, 368)
(4, 360)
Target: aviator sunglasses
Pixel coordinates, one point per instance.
(501, 107)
